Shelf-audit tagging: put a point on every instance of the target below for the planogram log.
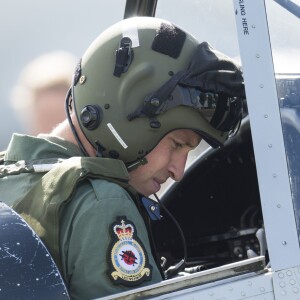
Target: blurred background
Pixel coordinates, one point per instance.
(31, 28)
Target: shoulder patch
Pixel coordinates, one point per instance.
(127, 258)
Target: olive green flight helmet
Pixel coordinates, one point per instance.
(144, 77)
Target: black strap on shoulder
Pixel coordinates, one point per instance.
(2, 156)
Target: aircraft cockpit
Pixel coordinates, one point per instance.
(238, 206)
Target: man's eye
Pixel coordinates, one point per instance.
(178, 145)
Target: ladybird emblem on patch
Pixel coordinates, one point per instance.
(127, 257)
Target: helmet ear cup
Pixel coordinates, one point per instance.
(91, 116)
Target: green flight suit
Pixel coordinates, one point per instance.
(95, 232)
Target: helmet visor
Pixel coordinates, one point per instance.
(222, 111)
(212, 84)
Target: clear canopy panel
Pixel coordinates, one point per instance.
(284, 28)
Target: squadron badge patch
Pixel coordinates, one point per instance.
(127, 257)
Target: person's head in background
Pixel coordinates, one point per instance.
(39, 95)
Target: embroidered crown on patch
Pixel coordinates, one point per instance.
(124, 231)
(128, 260)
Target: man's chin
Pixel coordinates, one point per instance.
(156, 187)
(148, 193)
(149, 190)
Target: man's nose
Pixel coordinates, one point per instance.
(177, 167)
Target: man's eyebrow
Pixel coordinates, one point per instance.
(188, 143)
(182, 140)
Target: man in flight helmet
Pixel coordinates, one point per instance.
(143, 95)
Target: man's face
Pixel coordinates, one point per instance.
(166, 160)
(48, 109)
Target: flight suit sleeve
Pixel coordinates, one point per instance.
(104, 243)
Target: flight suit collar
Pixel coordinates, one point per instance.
(25, 147)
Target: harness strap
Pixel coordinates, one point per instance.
(2, 156)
